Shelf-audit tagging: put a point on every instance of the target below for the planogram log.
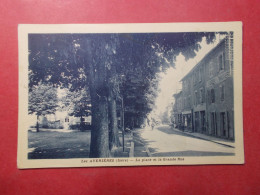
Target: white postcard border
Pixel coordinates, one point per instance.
(25, 29)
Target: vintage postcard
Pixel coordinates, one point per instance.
(130, 94)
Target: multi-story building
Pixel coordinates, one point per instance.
(206, 103)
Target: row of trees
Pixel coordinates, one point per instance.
(112, 69)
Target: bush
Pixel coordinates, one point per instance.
(74, 127)
(81, 127)
(45, 126)
(51, 126)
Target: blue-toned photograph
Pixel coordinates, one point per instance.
(113, 95)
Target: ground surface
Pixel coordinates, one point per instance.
(64, 144)
(164, 141)
(160, 141)
(58, 144)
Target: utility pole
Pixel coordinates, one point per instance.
(123, 122)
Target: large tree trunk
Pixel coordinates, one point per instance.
(113, 89)
(96, 72)
(114, 139)
(99, 146)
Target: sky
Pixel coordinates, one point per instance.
(170, 80)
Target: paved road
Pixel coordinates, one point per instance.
(163, 141)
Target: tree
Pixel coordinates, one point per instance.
(42, 101)
(77, 103)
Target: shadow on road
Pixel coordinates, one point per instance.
(168, 130)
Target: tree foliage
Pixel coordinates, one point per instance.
(77, 103)
(43, 100)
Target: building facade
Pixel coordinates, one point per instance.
(205, 104)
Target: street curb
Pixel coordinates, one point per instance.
(205, 139)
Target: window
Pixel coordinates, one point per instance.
(212, 95)
(202, 96)
(184, 85)
(195, 76)
(211, 69)
(221, 62)
(200, 74)
(180, 104)
(222, 93)
(67, 119)
(208, 97)
(195, 98)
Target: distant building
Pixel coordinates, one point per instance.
(72, 122)
(205, 104)
(64, 121)
(50, 122)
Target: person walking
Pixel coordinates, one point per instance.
(152, 123)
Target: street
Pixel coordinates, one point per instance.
(164, 141)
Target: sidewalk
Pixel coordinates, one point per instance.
(134, 146)
(224, 142)
(140, 148)
(119, 153)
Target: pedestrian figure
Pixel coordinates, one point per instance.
(152, 125)
(148, 122)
